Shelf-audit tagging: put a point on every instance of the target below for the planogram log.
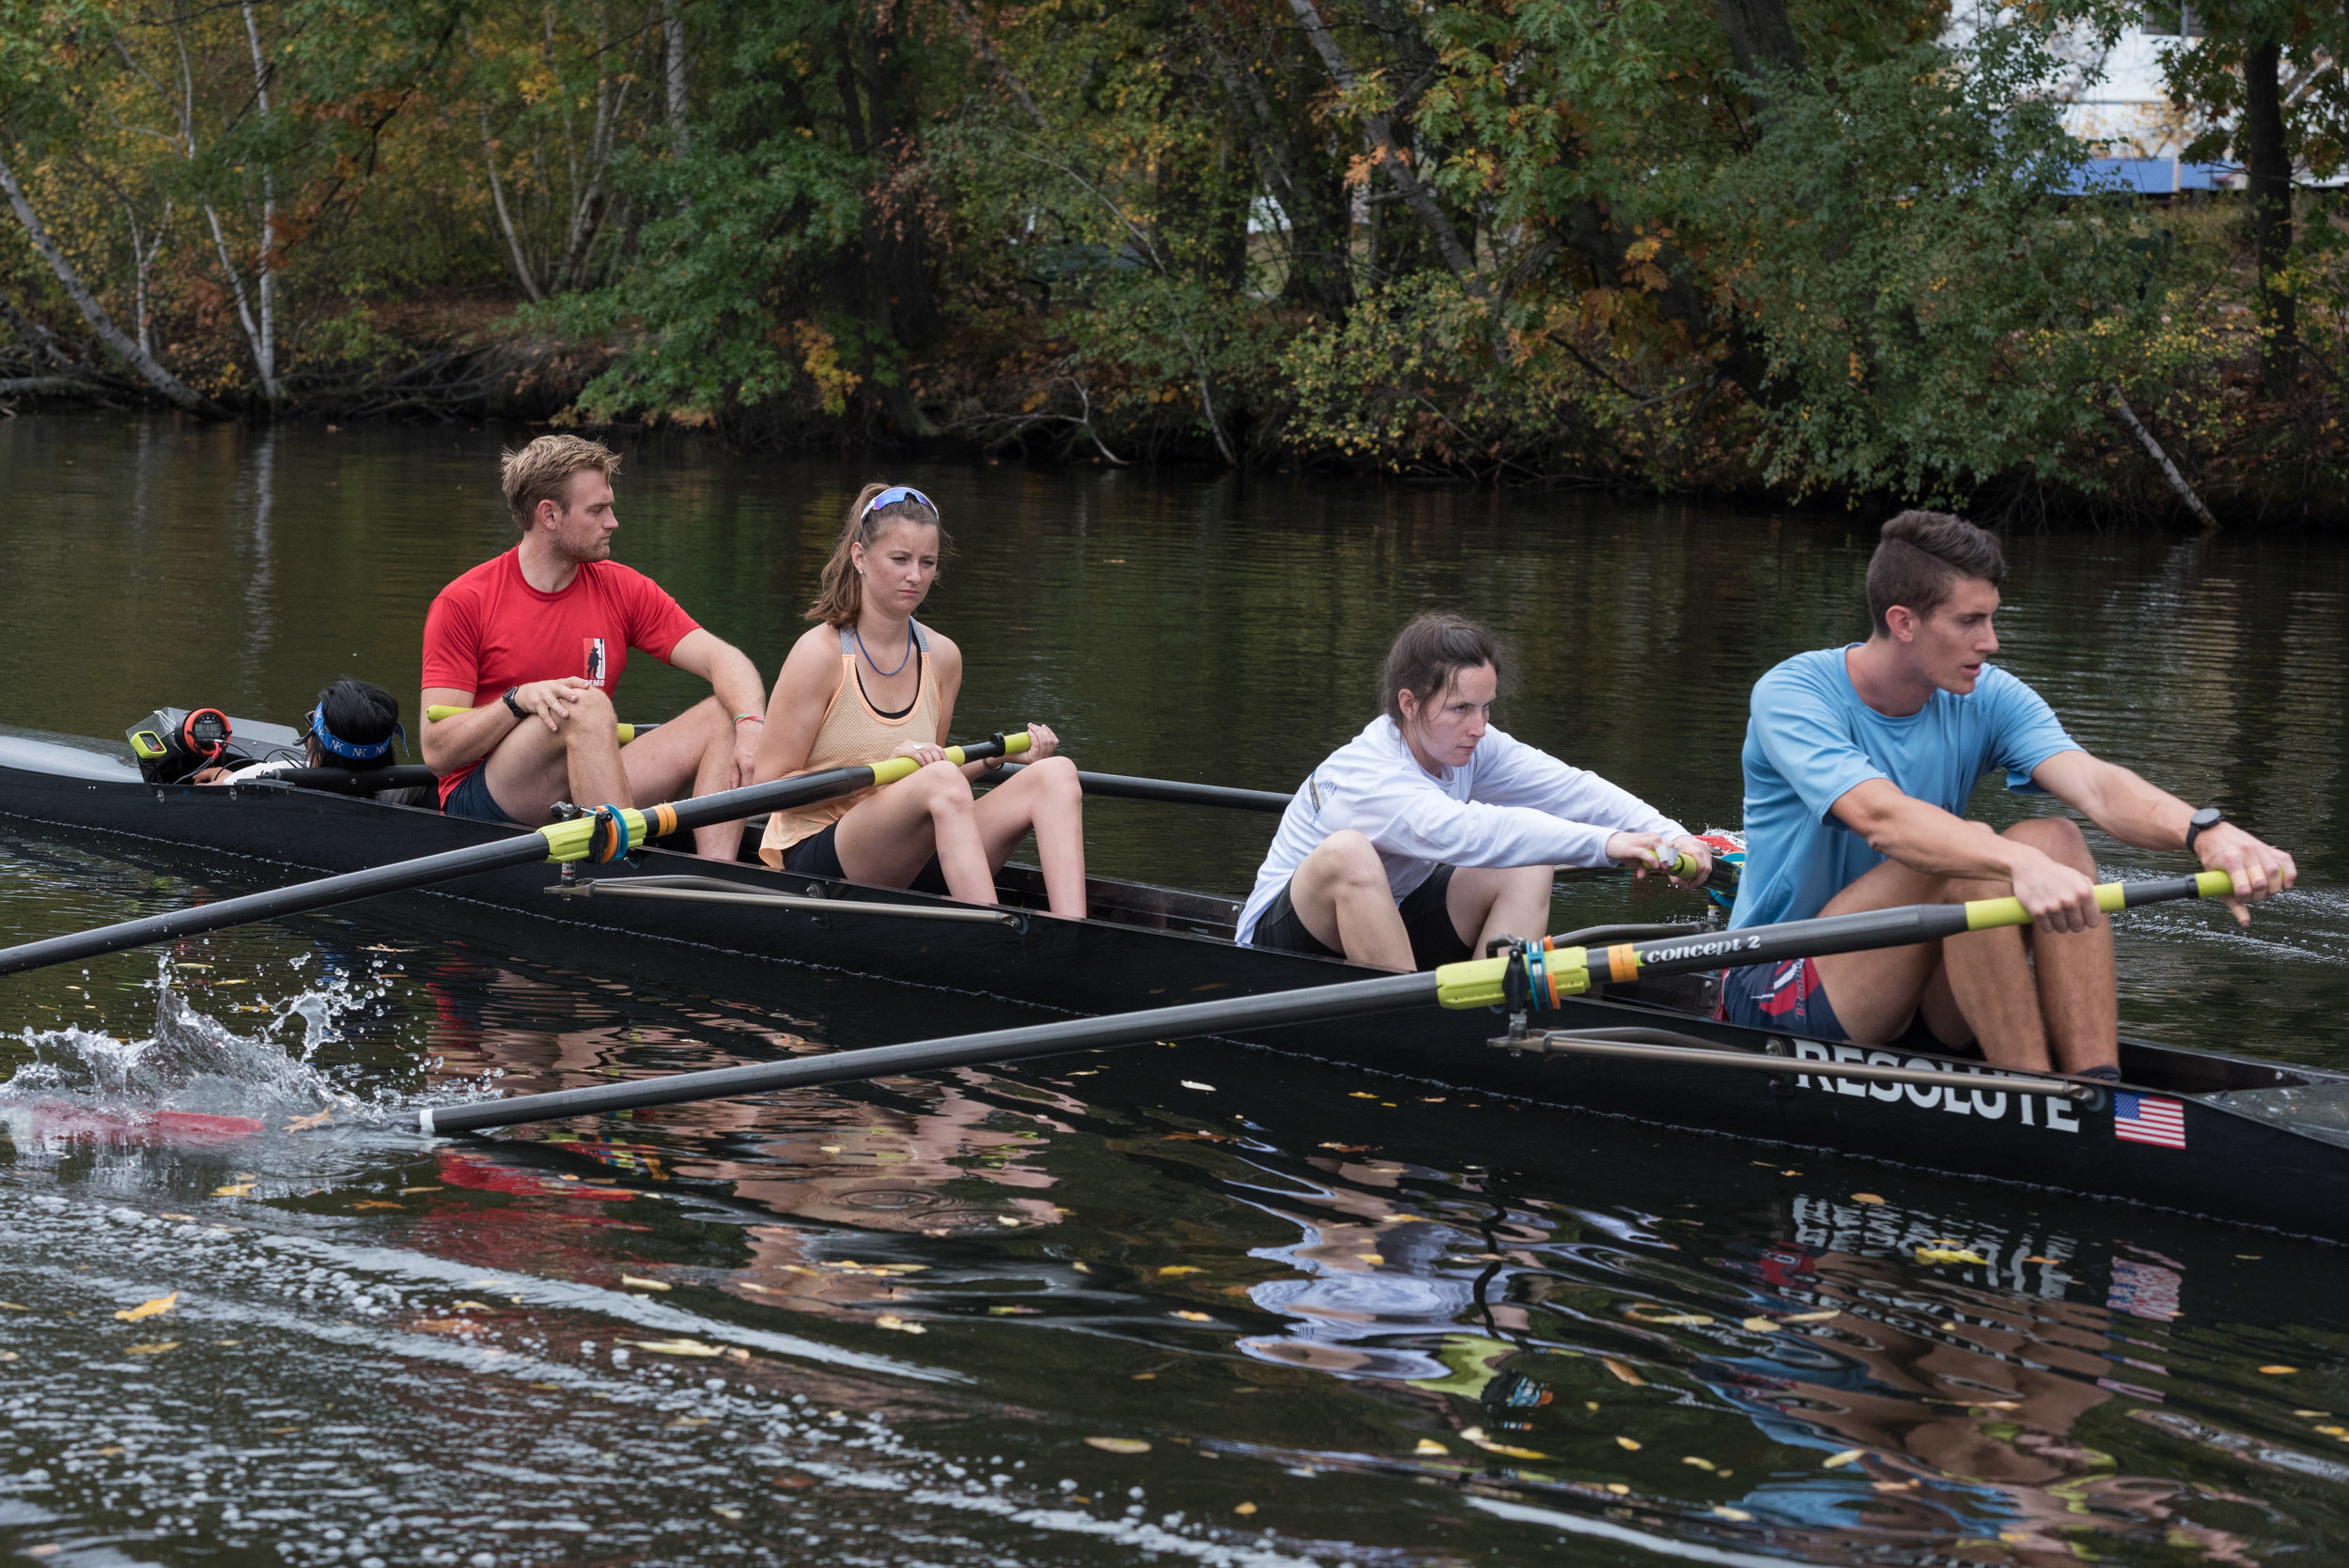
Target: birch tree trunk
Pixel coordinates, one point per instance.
(673, 59)
(149, 367)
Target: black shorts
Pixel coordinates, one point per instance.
(1427, 919)
(818, 855)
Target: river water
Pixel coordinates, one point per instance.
(1095, 1312)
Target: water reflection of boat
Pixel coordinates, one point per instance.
(1147, 946)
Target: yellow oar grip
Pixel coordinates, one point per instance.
(1983, 914)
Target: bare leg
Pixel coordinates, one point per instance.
(579, 761)
(887, 837)
(2069, 1003)
(1875, 994)
(1046, 798)
(1341, 895)
(1489, 903)
(696, 749)
(2018, 993)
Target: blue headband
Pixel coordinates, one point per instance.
(893, 494)
(341, 747)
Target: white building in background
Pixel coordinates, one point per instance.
(2118, 100)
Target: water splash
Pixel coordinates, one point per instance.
(191, 1061)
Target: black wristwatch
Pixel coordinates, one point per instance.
(2209, 816)
(520, 712)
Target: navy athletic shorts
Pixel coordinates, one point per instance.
(1783, 996)
(471, 798)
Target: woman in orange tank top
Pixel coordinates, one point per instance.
(871, 682)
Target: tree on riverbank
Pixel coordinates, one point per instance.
(1740, 245)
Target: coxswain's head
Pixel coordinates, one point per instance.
(1933, 589)
(561, 486)
(1442, 674)
(354, 726)
(887, 555)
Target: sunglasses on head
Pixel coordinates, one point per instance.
(893, 494)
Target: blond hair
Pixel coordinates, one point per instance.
(542, 472)
(841, 598)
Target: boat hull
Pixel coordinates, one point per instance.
(1159, 948)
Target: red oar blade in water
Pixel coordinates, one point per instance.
(74, 1122)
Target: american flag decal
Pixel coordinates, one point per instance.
(2143, 1118)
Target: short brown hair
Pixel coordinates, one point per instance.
(1923, 557)
(542, 472)
(1428, 654)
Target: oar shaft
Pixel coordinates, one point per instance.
(562, 841)
(1314, 1002)
(1121, 786)
(1571, 971)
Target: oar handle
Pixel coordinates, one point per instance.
(439, 711)
(1543, 975)
(608, 832)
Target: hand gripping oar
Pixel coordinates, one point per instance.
(1507, 979)
(604, 835)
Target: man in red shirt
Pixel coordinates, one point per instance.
(538, 638)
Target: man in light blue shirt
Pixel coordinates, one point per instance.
(1859, 761)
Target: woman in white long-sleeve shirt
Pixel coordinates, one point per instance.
(1431, 832)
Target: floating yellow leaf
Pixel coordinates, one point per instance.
(1760, 1325)
(1118, 1445)
(1513, 1452)
(1622, 1371)
(476, 1306)
(1837, 1461)
(1358, 1095)
(891, 1320)
(2311, 1415)
(375, 1204)
(1181, 1268)
(2036, 1258)
(1812, 1317)
(1631, 1443)
(724, 1511)
(1700, 1463)
(1245, 1509)
(8, 1355)
(188, 1219)
(1641, 1314)
(406, 1190)
(1948, 1254)
(1473, 1433)
(109, 1452)
(1194, 1083)
(1194, 1317)
(234, 1189)
(15, 1306)
(642, 1284)
(154, 1349)
(2279, 1371)
(1724, 1511)
(1005, 1219)
(1865, 1198)
(1370, 1257)
(148, 1309)
(1428, 1445)
(2334, 1430)
(304, 1124)
(676, 1347)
